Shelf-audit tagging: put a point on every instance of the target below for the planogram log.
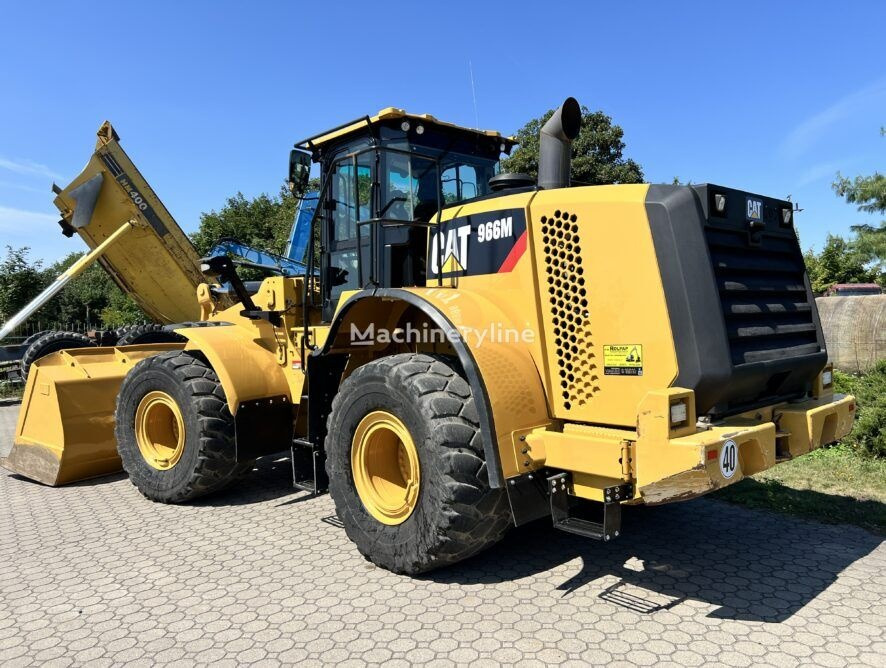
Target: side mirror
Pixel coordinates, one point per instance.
(299, 170)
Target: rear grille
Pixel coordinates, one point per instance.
(568, 302)
(763, 294)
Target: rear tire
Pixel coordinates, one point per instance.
(36, 335)
(144, 334)
(456, 514)
(50, 343)
(161, 397)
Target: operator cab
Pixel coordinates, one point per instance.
(383, 180)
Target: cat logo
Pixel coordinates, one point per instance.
(755, 209)
(452, 246)
(495, 241)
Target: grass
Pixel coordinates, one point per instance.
(844, 484)
(837, 485)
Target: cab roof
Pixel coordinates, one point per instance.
(387, 114)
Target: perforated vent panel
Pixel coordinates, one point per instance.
(568, 303)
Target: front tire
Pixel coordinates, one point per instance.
(175, 432)
(418, 500)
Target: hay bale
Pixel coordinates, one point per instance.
(855, 330)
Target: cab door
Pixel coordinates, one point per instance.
(349, 201)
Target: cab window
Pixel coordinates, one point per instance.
(410, 187)
(464, 178)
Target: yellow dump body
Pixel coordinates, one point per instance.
(155, 264)
(65, 428)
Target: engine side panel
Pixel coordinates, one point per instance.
(605, 324)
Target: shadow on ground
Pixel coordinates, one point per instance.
(270, 478)
(752, 565)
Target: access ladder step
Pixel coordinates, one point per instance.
(309, 467)
(581, 527)
(559, 491)
(304, 443)
(305, 486)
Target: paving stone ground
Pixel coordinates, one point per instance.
(94, 574)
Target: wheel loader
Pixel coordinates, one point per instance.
(465, 351)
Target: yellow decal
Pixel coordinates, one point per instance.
(623, 360)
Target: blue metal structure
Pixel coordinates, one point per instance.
(290, 264)
(255, 257)
(301, 227)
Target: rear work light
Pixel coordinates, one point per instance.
(679, 414)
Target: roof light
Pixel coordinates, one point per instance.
(419, 129)
(405, 126)
(720, 202)
(502, 148)
(786, 216)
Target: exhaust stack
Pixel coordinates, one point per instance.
(555, 145)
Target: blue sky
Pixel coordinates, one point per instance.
(208, 97)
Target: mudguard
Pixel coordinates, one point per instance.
(256, 387)
(504, 380)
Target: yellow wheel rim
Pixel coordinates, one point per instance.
(159, 430)
(385, 466)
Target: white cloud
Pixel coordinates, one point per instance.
(27, 168)
(17, 221)
(809, 131)
(22, 186)
(38, 231)
(817, 172)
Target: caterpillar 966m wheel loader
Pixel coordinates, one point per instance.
(467, 351)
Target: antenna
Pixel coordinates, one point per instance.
(796, 208)
(474, 95)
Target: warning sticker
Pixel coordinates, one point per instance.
(623, 360)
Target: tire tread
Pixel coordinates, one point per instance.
(475, 516)
(216, 464)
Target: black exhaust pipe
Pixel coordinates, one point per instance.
(555, 145)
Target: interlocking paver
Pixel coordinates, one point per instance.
(93, 573)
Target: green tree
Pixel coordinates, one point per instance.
(838, 262)
(870, 243)
(597, 152)
(20, 281)
(869, 194)
(121, 310)
(92, 299)
(263, 222)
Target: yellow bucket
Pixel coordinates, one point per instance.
(65, 428)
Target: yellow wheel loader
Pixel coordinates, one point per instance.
(466, 350)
